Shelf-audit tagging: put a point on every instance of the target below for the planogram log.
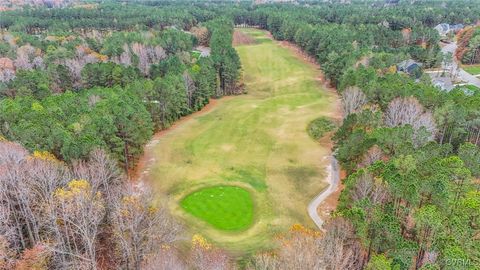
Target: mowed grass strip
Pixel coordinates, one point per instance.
(472, 69)
(224, 207)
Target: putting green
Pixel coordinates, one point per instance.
(224, 207)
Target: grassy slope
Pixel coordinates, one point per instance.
(257, 141)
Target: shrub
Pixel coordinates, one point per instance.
(318, 127)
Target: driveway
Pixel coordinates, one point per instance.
(462, 74)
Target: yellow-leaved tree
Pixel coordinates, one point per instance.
(141, 229)
(79, 211)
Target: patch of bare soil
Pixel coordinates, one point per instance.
(148, 157)
(240, 38)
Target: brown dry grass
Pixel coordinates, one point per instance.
(147, 159)
(240, 38)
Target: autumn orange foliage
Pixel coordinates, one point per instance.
(463, 38)
(35, 258)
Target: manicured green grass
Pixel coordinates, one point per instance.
(224, 207)
(472, 69)
(256, 141)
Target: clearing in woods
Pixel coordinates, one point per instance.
(257, 142)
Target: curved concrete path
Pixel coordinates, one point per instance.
(333, 180)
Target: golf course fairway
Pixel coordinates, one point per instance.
(254, 143)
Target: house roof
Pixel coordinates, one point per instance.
(456, 26)
(443, 26)
(408, 63)
(443, 83)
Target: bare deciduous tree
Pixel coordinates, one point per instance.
(202, 35)
(373, 154)
(264, 261)
(190, 88)
(141, 52)
(408, 111)
(140, 227)
(167, 258)
(11, 153)
(158, 53)
(147, 55)
(369, 187)
(341, 249)
(42, 209)
(10, 39)
(79, 212)
(19, 202)
(353, 100)
(403, 111)
(299, 249)
(209, 258)
(24, 56)
(6, 75)
(75, 65)
(37, 62)
(7, 256)
(125, 58)
(302, 252)
(103, 173)
(337, 250)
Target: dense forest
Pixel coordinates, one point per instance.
(83, 90)
(152, 73)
